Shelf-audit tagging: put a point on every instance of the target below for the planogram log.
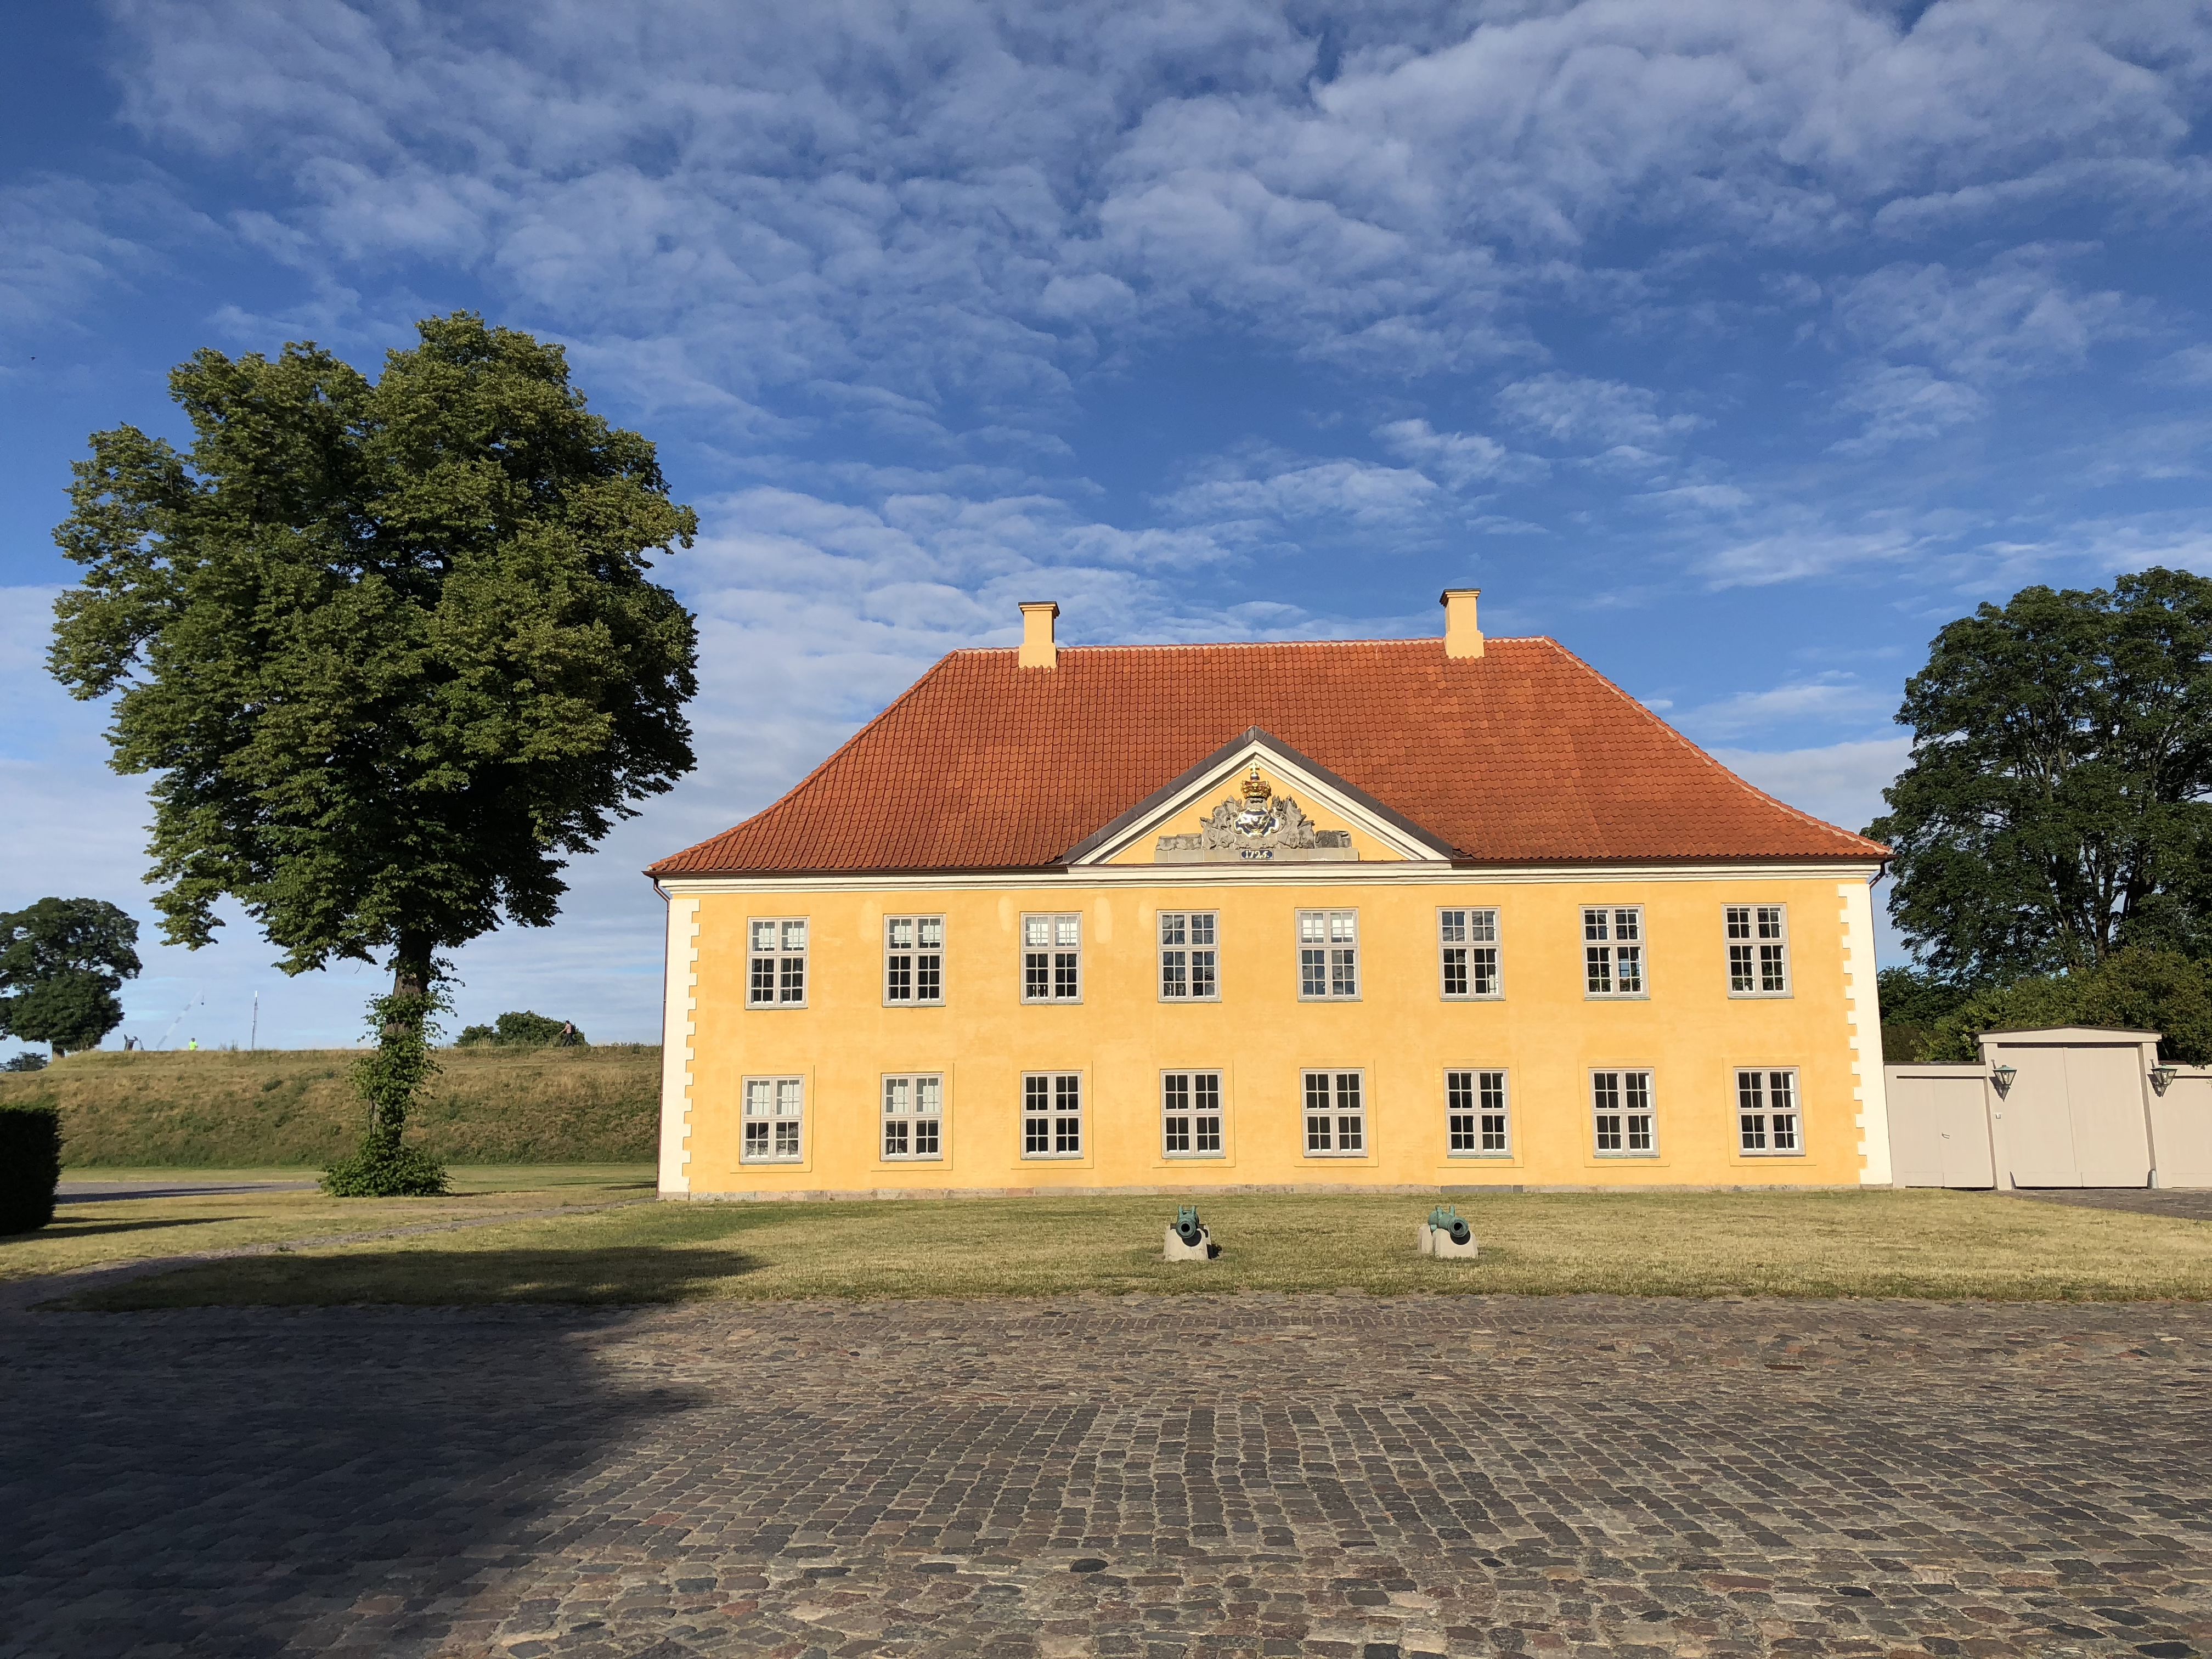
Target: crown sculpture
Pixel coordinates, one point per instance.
(1257, 825)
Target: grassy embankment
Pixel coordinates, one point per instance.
(1878, 1244)
(297, 1108)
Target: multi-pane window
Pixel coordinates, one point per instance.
(1474, 1114)
(1052, 1115)
(1188, 961)
(771, 1119)
(1052, 959)
(1613, 951)
(1336, 1113)
(913, 959)
(914, 1115)
(1328, 954)
(1758, 949)
(1767, 1113)
(1621, 1109)
(1467, 941)
(1190, 1114)
(778, 977)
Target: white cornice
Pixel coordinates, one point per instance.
(1410, 873)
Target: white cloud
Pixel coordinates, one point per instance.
(2015, 317)
(1572, 409)
(1824, 697)
(1459, 458)
(1905, 403)
(961, 201)
(1359, 493)
(1840, 783)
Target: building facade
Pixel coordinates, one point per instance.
(1405, 914)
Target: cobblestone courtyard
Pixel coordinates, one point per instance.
(1251, 1475)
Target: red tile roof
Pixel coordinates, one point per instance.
(1524, 755)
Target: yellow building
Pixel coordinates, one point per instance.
(1426, 915)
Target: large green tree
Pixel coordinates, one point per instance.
(2055, 808)
(62, 962)
(391, 648)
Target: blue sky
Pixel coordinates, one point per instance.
(1737, 347)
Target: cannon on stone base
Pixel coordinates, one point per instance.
(1446, 1233)
(1187, 1237)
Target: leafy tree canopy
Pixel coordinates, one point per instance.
(1912, 996)
(390, 645)
(62, 962)
(2135, 988)
(2054, 810)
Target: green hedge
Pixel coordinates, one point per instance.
(30, 1165)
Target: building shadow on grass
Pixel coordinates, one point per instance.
(434, 1278)
(245, 1480)
(64, 1225)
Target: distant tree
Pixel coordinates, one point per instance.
(62, 962)
(1914, 1003)
(2055, 811)
(391, 649)
(29, 1059)
(526, 1030)
(2134, 990)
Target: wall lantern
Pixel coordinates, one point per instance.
(2003, 1077)
(2162, 1075)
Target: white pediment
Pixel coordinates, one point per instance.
(1256, 802)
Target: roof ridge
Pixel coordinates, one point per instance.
(1684, 741)
(1255, 645)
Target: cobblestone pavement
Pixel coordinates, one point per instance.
(1166, 1477)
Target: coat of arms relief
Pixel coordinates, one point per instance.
(1257, 824)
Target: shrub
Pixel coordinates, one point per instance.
(30, 1165)
(27, 1061)
(525, 1030)
(2137, 989)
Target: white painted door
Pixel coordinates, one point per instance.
(2104, 1099)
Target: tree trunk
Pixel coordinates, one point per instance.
(410, 970)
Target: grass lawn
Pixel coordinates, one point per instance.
(124, 1229)
(1936, 1245)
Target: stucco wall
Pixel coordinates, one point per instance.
(1689, 1031)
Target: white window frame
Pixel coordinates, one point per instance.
(908, 1098)
(1758, 949)
(780, 959)
(1607, 949)
(1478, 1109)
(1180, 954)
(1627, 1082)
(1060, 956)
(1469, 932)
(1190, 1101)
(1334, 1121)
(776, 1093)
(921, 958)
(1332, 953)
(1052, 1116)
(1757, 1116)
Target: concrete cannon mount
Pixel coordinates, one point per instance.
(1176, 1250)
(1434, 1240)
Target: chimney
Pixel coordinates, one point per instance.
(1039, 649)
(1461, 637)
